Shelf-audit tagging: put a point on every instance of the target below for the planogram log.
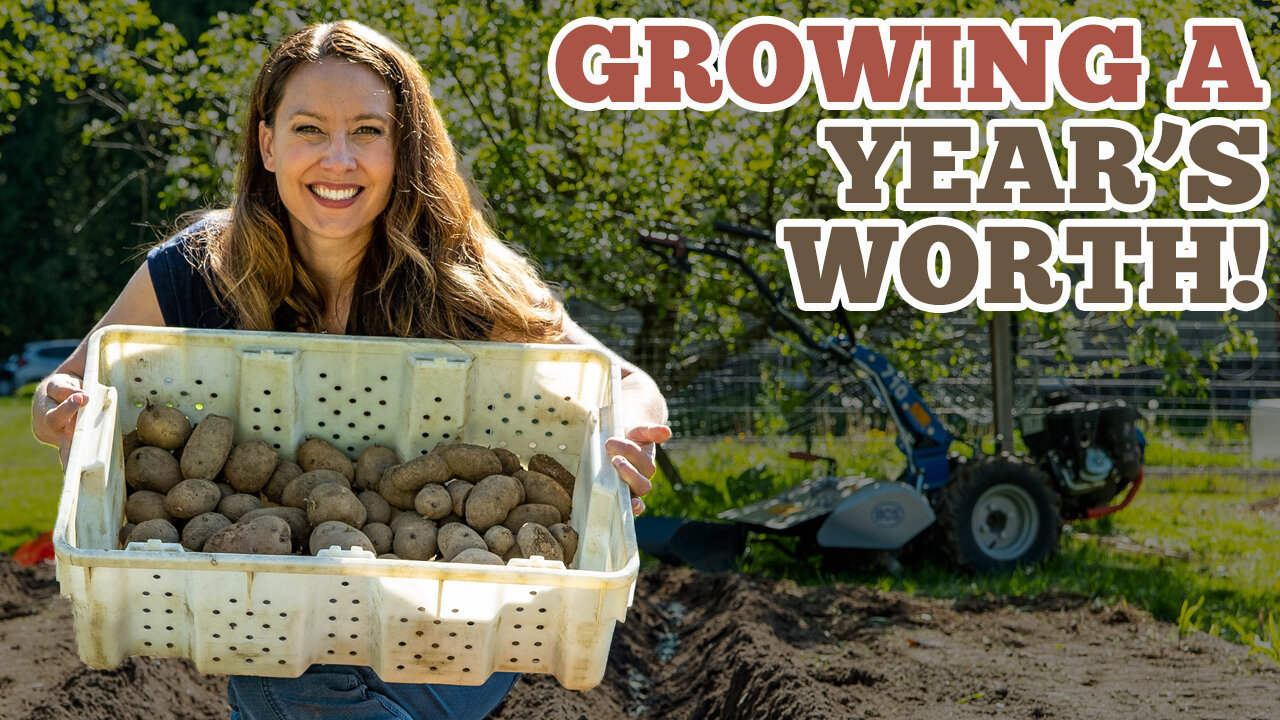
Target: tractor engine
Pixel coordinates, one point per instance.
(1091, 450)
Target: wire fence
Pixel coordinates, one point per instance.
(768, 392)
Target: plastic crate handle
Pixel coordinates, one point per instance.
(88, 470)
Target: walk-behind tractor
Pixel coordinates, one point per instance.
(984, 512)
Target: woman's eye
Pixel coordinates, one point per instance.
(369, 130)
(306, 129)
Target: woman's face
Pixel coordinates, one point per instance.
(330, 149)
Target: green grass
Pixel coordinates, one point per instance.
(1183, 538)
(30, 476)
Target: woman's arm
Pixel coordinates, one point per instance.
(59, 396)
(644, 419)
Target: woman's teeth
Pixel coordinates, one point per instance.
(328, 194)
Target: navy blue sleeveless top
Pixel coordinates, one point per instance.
(184, 292)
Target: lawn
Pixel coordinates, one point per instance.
(30, 476)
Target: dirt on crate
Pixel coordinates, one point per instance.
(698, 645)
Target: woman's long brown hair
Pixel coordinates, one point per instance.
(433, 269)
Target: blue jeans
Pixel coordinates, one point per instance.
(351, 692)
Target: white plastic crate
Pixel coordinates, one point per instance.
(409, 621)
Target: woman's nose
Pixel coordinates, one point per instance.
(339, 155)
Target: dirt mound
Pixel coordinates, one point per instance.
(734, 646)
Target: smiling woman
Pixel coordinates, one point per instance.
(350, 216)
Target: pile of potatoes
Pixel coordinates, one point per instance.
(457, 503)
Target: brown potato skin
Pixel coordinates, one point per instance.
(151, 468)
(476, 556)
(158, 529)
(411, 476)
(397, 498)
(380, 535)
(499, 539)
(295, 494)
(145, 505)
(286, 472)
(200, 528)
(568, 539)
(263, 535)
(458, 492)
(331, 501)
(235, 506)
(453, 538)
(548, 466)
(193, 497)
(376, 507)
(540, 489)
(415, 540)
(250, 465)
(163, 427)
(433, 502)
(317, 454)
(208, 447)
(129, 442)
(491, 500)
(472, 463)
(299, 528)
(535, 539)
(336, 532)
(510, 461)
(544, 515)
(373, 462)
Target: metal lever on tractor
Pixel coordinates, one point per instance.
(810, 457)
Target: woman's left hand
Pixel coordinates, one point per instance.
(632, 457)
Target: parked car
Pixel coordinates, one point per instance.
(34, 363)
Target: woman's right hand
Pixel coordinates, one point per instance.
(57, 405)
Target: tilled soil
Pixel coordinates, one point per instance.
(698, 645)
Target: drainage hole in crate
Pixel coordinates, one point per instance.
(352, 653)
(382, 402)
(337, 412)
(537, 660)
(533, 592)
(513, 660)
(168, 611)
(538, 644)
(330, 652)
(216, 636)
(449, 658)
(471, 622)
(248, 637)
(232, 648)
(155, 577)
(490, 407)
(333, 618)
(534, 421)
(420, 633)
(426, 435)
(399, 667)
(334, 636)
(336, 436)
(168, 628)
(404, 620)
(506, 419)
(168, 645)
(382, 427)
(321, 399)
(435, 646)
(213, 395)
(257, 410)
(519, 609)
(146, 610)
(321, 423)
(403, 643)
(232, 601)
(276, 428)
(233, 626)
(351, 400)
(542, 610)
(539, 627)
(355, 637)
(147, 643)
(284, 614)
(248, 661)
(517, 627)
(249, 613)
(350, 425)
(257, 428)
(217, 659)
(324, 375)
(281, 662)
(466, 669)
(433, 667)
(515, 642)
(145, 593)
(453, 634)
(466, 647)
(445, 436)
(139, 404)
(333, 600)
(266, 392)
(146, 627)
(355, 619)
(276, 445)
(153, 392)
(217, 612)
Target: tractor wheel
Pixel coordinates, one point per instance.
(998, 513)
